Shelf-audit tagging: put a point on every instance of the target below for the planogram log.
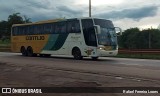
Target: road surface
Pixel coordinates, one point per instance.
(19, 71)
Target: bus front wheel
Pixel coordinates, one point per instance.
(94, 58)
(77, 54)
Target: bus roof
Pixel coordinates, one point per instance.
(53, 20)
(39, 22)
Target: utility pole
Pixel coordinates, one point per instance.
(149, 41)
(89, 8)
(149, 37)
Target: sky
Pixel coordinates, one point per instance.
(124, 13)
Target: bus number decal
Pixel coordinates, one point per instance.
(35, 38)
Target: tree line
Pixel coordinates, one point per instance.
(15, 18)
(134, 38)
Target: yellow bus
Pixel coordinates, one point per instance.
(77, 37)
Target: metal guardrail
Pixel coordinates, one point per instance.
(139, 51)
(5, 49)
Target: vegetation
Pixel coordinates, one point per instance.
(5, 26)
(5, 45)
(135, 39)
(5, 29)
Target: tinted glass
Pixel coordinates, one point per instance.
(89, 32)
(73, 26)
(60, 27)
(103, 23)
(107, 36)
(14, 31)
(47, 28)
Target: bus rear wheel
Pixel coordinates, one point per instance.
(77, 54)
(30, 51)
(23, 51)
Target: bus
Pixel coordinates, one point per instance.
(77, 37)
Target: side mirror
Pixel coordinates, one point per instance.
(118, 30)
(98, 29)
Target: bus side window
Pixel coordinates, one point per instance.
(36, 29)
(14, 32)
(24, 30)
(69, 27)
(89, 32)
(63, 27)
(60, 27)
(18, 30)
(32, 29)
(73, 26)
(27, 31)
(40, 29)
(56, 28)
(53, 28)
(47, 28)
(77, 26)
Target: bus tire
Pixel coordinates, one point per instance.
(41, 55)
(44, 55)
(30, 51)
(77, 54)
(94, 58)
(47, 55)
(35, 55)
(23, 51)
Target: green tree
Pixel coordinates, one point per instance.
(26, 19)
(135, 39)
(154, 38)
(16, 18)
(141, 40)
(3, 28)
(127, 39)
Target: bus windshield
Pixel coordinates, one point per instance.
(108, 35)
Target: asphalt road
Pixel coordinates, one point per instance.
(119, 66)
(65, 71)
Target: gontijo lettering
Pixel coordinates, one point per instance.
(35, 38)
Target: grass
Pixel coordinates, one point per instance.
(139, 56)
(6, 41)
(5, 45)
